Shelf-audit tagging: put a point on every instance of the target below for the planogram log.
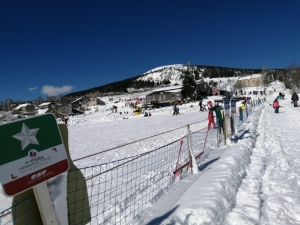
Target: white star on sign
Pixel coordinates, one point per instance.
(27, 136)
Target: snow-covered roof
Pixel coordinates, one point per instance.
(45, 103)
(102, 99)
(77, 99)
(173, 88)
(173, 91)
(21, 106)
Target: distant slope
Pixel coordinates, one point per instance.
(169, 74)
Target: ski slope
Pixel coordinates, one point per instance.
(254, 179)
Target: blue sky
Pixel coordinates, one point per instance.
(56, 47)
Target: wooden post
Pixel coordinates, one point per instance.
(192, 158)
(45, 205)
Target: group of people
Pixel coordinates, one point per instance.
(147, 114)
(217, 110)
(294, 98)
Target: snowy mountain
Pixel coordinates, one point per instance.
(171, 73)
(168, 75)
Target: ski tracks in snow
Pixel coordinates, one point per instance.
(281, 185)
(269, 194)
(248, 201)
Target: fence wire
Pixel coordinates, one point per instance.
(118, 192)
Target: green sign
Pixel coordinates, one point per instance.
(32, 151)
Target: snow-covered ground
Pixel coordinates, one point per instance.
(255, 179)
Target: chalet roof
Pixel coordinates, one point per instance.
(45, 103)
(177, 89)
(168, 88)
(173, 91)
(77, 99)
(102, 100)
(21, 106)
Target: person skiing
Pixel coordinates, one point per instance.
(281, 96)
(114, 110)
(295, 99)
(175, 109)
(200, 104)
(244, 106)
(210, 115)
(276, 105)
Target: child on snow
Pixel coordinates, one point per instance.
(210, 115)
(276, 105)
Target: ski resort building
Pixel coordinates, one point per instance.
(251, 81)
(164, 96)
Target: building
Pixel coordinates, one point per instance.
(251, 81)
(84, 102)
(45, 107)
(64, 109)
(6, 117)
(203, 89)
(79, 103)
(92, 102)
(164, 96)
(26, 110)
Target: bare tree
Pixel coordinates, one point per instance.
(39, 101)
(238, 85)
(268, 75)
(230, 82)
(51, 98)
(8, 104)
(294, 75)
(283, 77)
(30, 108)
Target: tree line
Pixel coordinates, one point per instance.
(289, 76)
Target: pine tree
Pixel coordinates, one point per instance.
(188, 86)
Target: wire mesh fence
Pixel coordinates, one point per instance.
(237, 119)
(118, 192)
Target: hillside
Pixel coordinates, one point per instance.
(164, 75)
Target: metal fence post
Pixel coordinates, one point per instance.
(192, 158)
(232, 125)
(225, 128)
(241, 113)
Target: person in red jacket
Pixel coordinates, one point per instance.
(210, 115)
(65, 120)
(276, 105)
